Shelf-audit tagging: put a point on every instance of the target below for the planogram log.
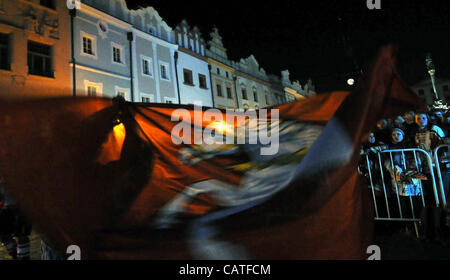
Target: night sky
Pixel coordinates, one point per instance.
(325, 40)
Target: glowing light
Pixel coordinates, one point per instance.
(113, 146)
(222, 127)
(119, 132)
(350, 82)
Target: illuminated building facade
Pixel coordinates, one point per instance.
(104, 49)
(34, 49)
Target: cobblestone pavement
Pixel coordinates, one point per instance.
(35, 248)
(402, 246)
(398, 245)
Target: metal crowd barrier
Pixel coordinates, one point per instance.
(440, 160)
(419, 163)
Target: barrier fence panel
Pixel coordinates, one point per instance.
(402, 183)
(442, 162)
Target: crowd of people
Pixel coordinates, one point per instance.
(400, 175)
(14, 226)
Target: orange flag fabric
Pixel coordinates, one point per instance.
(152, 181)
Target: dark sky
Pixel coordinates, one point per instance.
(308, 39)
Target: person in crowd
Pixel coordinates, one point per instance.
(49, 253)
(401, 160)
(428, 137)
(390, 124)
(370, 148)
(446, 125)
(370, 167)
(14, 227)
(373, 144)
(397, 138)
(403, 181)
(438, 117)
(409, 125)
(409, 117)
(382, 131)
(399, 121)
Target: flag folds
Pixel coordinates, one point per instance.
(151, 181)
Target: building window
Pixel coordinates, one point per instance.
(147, 98)
(188, 80)
(4, 52)
(92, 91)
(48, 3)
(219, 90)
(147, 67)
(218, 71)
(255, 96)
(88, 45)
(267, 100)
(39, 59)
(164, 71)
(117, 52)
(202, 81)
(244, 94)
(122, 92)
(169, 100)
(226, 73)
(229, 96)
(116, 55)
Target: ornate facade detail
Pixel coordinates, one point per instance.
(103, 29)
(189, 38)
(40, 22)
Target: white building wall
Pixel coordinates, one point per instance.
(194, 94)
(151, 41)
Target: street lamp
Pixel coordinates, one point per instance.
(350, 82)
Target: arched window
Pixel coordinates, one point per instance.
(255, 95)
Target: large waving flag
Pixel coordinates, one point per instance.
(150, 181)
